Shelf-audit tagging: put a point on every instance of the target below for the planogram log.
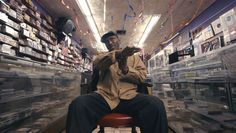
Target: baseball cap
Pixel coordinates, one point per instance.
(106, 35)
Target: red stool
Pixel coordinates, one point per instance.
(116, 120)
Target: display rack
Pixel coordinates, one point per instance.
(34, 95)
(200, 92)
(38, 79)
(26, 32)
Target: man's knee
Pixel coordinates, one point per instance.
(156, 103)
(78, 102)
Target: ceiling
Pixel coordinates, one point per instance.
(175, 14)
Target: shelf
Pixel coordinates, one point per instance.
(47, 41)
(21, 98)
(10, 35)
(17, 20)
(28, 5)
(5, 58)
(13, 46)
(15, 26)
(34, 57)
(200, 81)
(204, 66)
(32, 95)
(33, 25)
(48, 27)
(216, 52)
(31, 15)
(212, 69)
(41, 51)
(56, 119)
(212, 38)
(223, 118)
(56, 125)
(34, 116)
(19, 116)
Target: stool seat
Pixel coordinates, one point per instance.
(116, 120)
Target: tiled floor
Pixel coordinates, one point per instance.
(117, 130)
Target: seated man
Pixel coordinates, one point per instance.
(119, 73)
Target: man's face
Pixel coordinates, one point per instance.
(112, 43)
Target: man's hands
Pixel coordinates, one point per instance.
(129, 51)
(122, 56)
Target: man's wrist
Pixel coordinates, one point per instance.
(125, 70)
(120, 57)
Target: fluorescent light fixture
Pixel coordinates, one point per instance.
(170, 38)
(148, 28)
(84, 7)
(104, 15)
(93, 27)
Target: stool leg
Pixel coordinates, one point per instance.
(101, 130)
(134, 130)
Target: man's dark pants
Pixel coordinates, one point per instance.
(85, 111)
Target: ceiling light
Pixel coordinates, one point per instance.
(104, 15)
(148, 29)
(84, 7)
(167, 41)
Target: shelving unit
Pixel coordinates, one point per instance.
(203, 85)
(34, 36)
(34, 95)
(200, 92)
(37, 80)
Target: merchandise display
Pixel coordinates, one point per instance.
(208, 32)
(37, 81)
(228, 21)
(33, 94)
(22, 24)
(217, 26)
(200, 87)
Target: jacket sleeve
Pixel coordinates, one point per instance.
(137, 72)
(104, 61)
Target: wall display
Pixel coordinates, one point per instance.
(228, 21)
(27, 17)
(23, 25)
(21, 49)
(32, 35)
(203, 85)
(4, 7)
(12, 13)
(27, 47)
(2, 37)
(3, 17)
(211, 95)
(19, 15)
(215, 44)
(159, 60)
(24, 32)
(208, 32)
(205, 47)
(167, 51)
(217, 26)
(10, 31)
(13, 25)
(7, 39)
(7, 49)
